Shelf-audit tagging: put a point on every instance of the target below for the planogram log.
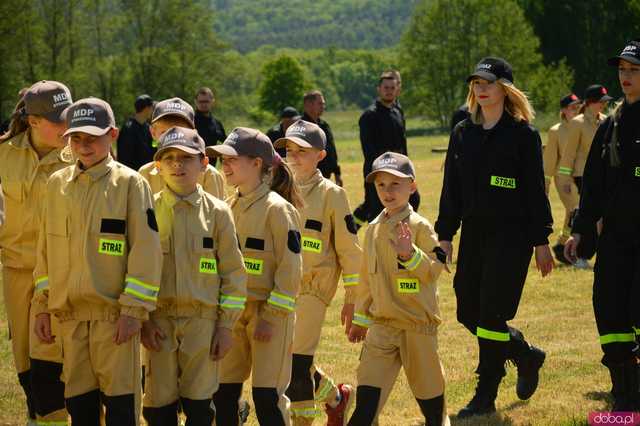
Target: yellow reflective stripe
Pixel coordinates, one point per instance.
(617, 338)
(42, 283)
(548, 177)
(306, 412)
(350, 280)
(498, 336)
(232, 302)
(359, 221)
(323, 392)
(362, 320)
(412, 264)
(636, 330)
(565, 171)
(141, 290)
(282, 301)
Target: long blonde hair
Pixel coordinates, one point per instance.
(516, 103)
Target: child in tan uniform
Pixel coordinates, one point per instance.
(176, 112)
(31, 151)
(397, 301)
(330, 249)
(202, 291)
(268, 226)
(98, 270)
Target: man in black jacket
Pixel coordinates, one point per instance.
(314, 105)
(382, 129)
(209, 128)
(135, 144)
(288, 116)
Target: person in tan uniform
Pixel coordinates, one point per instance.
(1, 206)
(98, 270)
(202, 291)
(176, 112)
(556, 141)
(330, 249)
(582, 128)
(268, 226)
(397, 301)
(30, 152)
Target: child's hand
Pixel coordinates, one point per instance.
(571, 248)
(126, 328)
(346, 316)
(43, 328)
(264, 331)
(544, 260)
(151, 335)
(403, 245)
(221, 344)
(357, 333)
(447, 247)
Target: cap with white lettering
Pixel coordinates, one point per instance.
(305, 135)
(181, 138)
(393, 163)
(243, 141)
(630, 53)
(47, 99)
(90, 115)
(492, 69)
(173, 106)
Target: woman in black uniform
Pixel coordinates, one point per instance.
(494, 186)
(611, 191)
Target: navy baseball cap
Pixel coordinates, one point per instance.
(492, 69)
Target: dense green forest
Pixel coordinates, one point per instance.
(303, 24)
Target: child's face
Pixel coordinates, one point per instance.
(50, 133)
(181, 170)
(394, 191)
(89, 149)
(241, 170)
(303, 161)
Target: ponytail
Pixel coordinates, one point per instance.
(282, 181)
(18, 123)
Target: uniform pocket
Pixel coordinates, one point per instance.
(204, 264)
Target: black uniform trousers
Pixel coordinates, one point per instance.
(588, 241)
(493, 261)
(616, 291)
(371, 206)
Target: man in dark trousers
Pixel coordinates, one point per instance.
(382, 129)
(135, 144)
(288, 116)
(314, 105)
(209, 128)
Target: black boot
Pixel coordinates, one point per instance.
(558, 251)
(85, 409)
(25, 381)
(483, 402)
(161, 416)
(199, 412)
(624, 381)
(119, 410)
(528, 364)
(432, 410)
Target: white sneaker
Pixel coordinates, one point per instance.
(582, 264)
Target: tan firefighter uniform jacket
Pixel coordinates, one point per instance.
(403, 295)
(24, 180)
(211, 180)
(202, 270)
(329, 240)
(582, 128)
(269, 236)
(1, 206)
(99, 252)
(556, 141)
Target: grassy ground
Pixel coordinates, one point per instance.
(555, 313)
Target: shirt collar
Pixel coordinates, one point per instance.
(95, 172)
(171, 198)
(396, 218)
(23, 141)
(247, 200)
(312, 182)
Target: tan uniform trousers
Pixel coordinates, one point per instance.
(386, 349)
(182, 367)
(310, 315)
(269, 363)
(570, 203)
(93, 361)
(18, 290)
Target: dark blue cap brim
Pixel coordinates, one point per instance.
(616, 60)
(483, 75)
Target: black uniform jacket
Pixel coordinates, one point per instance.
(495, 178)
(612, 191)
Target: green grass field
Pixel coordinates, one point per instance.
(555, 314)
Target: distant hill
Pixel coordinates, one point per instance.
(349, 24)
